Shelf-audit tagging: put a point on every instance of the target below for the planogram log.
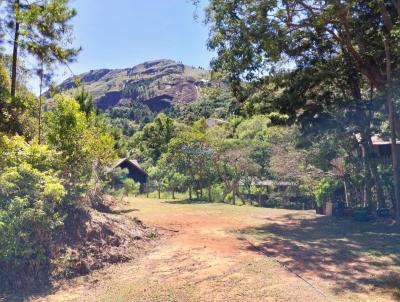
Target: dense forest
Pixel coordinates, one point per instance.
(309, 89)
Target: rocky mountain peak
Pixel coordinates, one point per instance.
(159, 84)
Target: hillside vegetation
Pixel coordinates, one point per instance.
(159, 84)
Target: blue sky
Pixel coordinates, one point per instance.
(123, 33)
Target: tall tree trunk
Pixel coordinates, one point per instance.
(190, 193)
(346, 194)
(40, 105)
(392, 122)
(395, 157)
(367, 189)
(366, 184)
(209, 193)
(159, 192)
(378, 184)
(173, 193)
(373, 168)
(366, 142)
(368, 193)
(15, 52)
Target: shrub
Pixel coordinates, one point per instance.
(278, 118)
(325, 190)
(217, 193)
(42, 187)
(115, 179)
(84, 145)
(30, 202)
(129, 186)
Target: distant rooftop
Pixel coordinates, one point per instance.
(378, 140)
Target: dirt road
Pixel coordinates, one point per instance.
(209, 252)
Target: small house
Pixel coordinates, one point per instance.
(135, 172)
(383, 147)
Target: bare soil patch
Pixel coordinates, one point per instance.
(105, 238)
(216, 252)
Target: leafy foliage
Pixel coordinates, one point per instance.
(129, 186)
(42, 188)
(325, 190)
(215, 102)
(81, 141)
(32, 198)
(153, 139)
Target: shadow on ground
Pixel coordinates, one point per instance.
(123, 211)
(187, 201)
(350, 255)
(21, 296)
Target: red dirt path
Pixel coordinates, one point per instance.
(211, 253)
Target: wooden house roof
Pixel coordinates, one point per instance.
(134, 163)
(378, 140)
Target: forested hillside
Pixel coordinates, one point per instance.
(158, 84)
(132, 97)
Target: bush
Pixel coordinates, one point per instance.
(30, 202)
(325, 190)
(217, 193)
(278, 200)
(45, 187)
(278, 118)
(115, 180)
(129, 186)
(84, 146)
(235, 201)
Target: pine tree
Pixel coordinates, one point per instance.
(42, 29)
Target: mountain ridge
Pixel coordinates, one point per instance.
(159, 84)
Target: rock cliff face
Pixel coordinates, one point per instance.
(159, 84)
